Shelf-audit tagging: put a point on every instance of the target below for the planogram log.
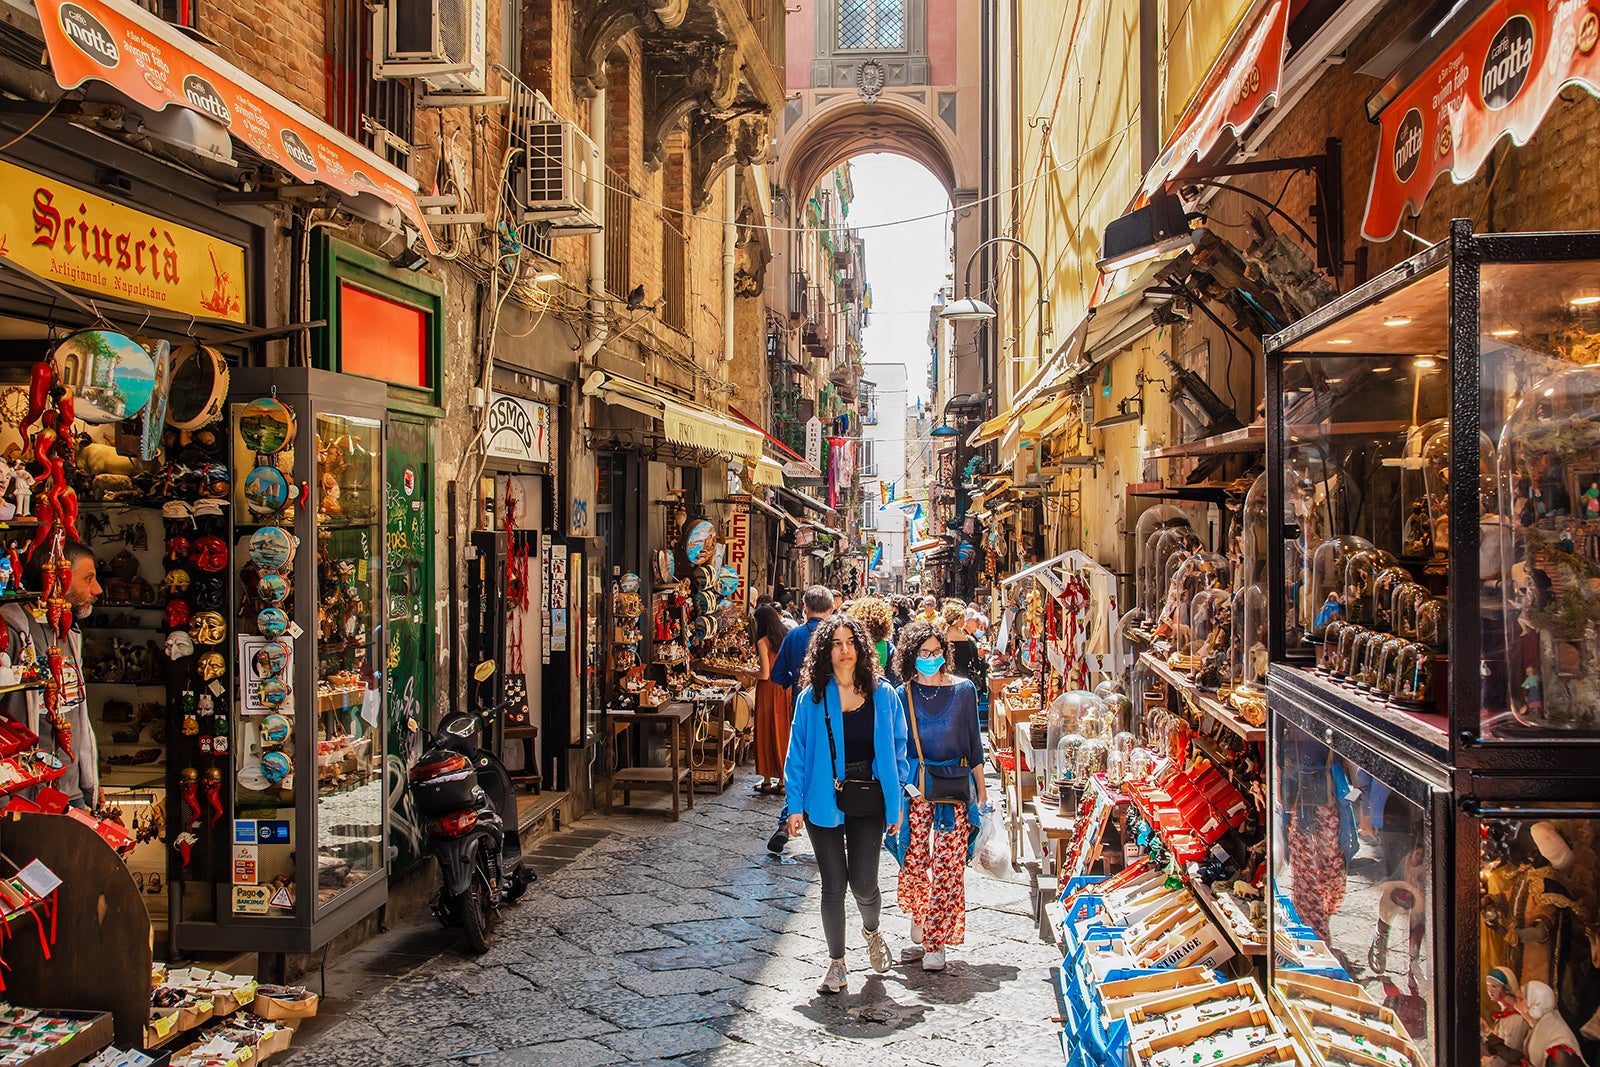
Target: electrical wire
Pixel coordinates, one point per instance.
(36, 124)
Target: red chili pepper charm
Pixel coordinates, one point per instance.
(69, 512)
(47, 523)
(39, 382)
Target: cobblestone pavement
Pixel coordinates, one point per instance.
(648, 941)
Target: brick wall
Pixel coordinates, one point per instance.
(278, 43)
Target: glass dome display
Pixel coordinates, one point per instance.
(1066, 720)
(1360, 584)
(1173, 545)
(1093, 757)
(1194, 574)
(1383, 586)
(1249, 638)
(1211, 637)
(1549, 461)
(1152, 522)
(1327, 590)
(1421, 509)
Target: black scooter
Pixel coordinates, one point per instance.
(469, 811)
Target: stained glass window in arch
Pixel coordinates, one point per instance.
(872, 24)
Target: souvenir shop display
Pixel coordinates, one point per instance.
(1433, 677)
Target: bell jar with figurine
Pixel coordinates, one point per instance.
(1211, 635)
(1330, 565)
(1152, 523)
(1551, 591)
(1360, 584)
(1196, 573)
(1417, 525)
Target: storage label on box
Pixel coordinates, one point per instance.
(251, 899)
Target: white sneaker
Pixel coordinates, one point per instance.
(877, 951)
(834, 981)
(933, 960)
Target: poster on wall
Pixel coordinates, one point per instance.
(580, 483)
(265, 665)
(517, 428)
(557, 585)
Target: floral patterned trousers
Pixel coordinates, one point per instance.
(933, 887)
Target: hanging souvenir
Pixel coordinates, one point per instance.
(272, 693)
(628, 583)
(199, 386)
(110, 375)
(272, 622)
(699, 540)
(154, 416)
(276, 767)
(271, 548)
(270, 660)
(272, 588)
(208, 628)
(266, 491)
(266, 426)
(275, 729)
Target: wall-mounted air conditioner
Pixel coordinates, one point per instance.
(557, 176)
(443, 42)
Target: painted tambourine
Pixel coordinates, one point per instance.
(199, 386)
(272, 622)
(272, 588)
(276, 767)
(266, 426)
(698, 540)
(271, 548)
(266, 491)
(275, 729)
(111, 375)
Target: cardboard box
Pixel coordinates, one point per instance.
(285, 1011)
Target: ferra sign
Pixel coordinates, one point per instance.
(518, 429)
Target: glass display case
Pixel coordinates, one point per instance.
(1153, 521)
(308, 805)
(1473, 669)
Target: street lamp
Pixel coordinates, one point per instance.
(971, 309)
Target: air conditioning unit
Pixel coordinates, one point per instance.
(557, 177)
(443, 42)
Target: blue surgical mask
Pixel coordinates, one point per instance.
(929, 664)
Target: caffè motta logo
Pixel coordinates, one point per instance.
(297, 150)
(1408, 145)
(1507, 63)
(89, 35)
(204, 98)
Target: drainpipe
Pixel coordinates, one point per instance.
(730, 234)
(598, 330)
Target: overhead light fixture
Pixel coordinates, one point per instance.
(1341, 341)
(1425, 363)
(967, 309)
(1161, 226)
(1584, 301)
(944, 429)
(1129, 409)
(1397, 320)
(1506, 332)
(413, 257)
(546, 276)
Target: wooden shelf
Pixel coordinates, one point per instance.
(647, 776)
(1246, 439)
(1209, 705)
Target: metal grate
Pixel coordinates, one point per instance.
(674, 276)
(619, 231)
(872, 24)
(378, 113)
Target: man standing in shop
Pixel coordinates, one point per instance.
(818, 601)
(26, 636)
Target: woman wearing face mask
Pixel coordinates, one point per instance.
(847, 758)
(947, 791)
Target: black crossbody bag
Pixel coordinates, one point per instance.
(854, 796)
(940, 785)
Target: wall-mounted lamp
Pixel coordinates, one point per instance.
(1083, 461)
(1129, 409)
(1161, 226)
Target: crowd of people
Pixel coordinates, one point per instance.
(867, 725)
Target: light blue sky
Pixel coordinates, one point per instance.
(906, 263)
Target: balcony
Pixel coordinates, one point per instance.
(799, 297)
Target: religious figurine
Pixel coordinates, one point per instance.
(1506, 1034)
(1332, 608)
(1567, 541)
(1418, 534)
(1532, 690)
(22, 489)
(1591, 501)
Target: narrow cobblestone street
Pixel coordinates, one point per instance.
(650, 941)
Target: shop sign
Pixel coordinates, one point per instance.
(805, 537)
(76, 238)
(251, 899)
(158, 67)
(738, 544)
(518, 429)
(814, 443)
(1500, 77)
(1233, 95)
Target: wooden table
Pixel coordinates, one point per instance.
(674, 777)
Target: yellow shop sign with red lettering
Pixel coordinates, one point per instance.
(78, 239)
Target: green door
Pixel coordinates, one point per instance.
(408, 679)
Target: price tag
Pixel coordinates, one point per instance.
(295, 630)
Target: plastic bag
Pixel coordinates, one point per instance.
(992, 852)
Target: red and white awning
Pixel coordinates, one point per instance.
(156, 66)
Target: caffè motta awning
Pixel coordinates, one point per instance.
(157, 67)
(1499, 78)
(1242, 85)
(681, 422)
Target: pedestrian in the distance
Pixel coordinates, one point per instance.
(847, 760)
(879, 617)
(772, 703)
(947, 792)
(786, 671)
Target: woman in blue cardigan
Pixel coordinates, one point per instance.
(848, 725)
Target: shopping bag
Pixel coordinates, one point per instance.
(992, 852)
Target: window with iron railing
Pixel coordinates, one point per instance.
(869, 513)
(872, 24)
(619, 235)
(868, 405)
(866, 459)
(675, 277)
(379, 113)
(177, 12)
(799, 290)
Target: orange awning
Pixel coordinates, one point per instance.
(156, 66)
(1237, 90)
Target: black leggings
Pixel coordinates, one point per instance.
(848, 855)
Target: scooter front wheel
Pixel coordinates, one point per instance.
(477, 914)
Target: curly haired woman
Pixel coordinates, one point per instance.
(848, 728)
(879, 617)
